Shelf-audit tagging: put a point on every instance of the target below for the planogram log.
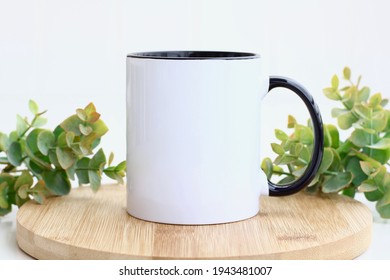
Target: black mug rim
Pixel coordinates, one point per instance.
(194, 55)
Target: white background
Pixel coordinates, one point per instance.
(64, 54)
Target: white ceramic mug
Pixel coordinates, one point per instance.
(193, 136)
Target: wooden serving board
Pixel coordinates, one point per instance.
(84, 225)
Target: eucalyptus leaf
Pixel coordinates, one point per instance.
(332, 94)
(82, 167)
(45, 141)
(346, 120)
(21, 125)
(39, 122)
(327, 160)
(383, 205)
(66, 157)
(266, 166)
(281, 135)
(94, 179)
(335, 82)
(336, 183)
(33, 106)
(291, 122)
(382, 144)
(347, 73)
(57, 182)
(278, 149)
(14, 154)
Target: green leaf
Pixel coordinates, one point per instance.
(335, 82)
(82, 114)
(299, 172)
(14, 154)
(65, 157)
(94, 179)
(23, 191)
(384, 102)
(100, 128)
(72, 124)
(291, 122)
(71, 171)
(367, 167)
(305, 154)
(363, 94)
(335, 166)
(349, 191)
(82, 167)
(113, 175)
(266, 166)
(375, 100)
(346, 120)
(53, 158)
(303, 134)
(69, 138)
(284, 159)
(278, 149)
(367, 188)
(334, 135)
(336, 183)
(381, 156)
(286, 180)
(122, 166)
(39, 122)
(4, 196)
(327, 160)
(57, 182)
(382, 144)
(383, 205)
(374, 195)
(35, 168)
(98, 160)
(85, 130)
(90, 108)
(347, 73)
(349, 97)
(32, 140)
(3, 142)
(379, 121)
(46, 141)
(336, 112)
(21, 125)
(363, 111)
(353, 166)
(93, 117)
(9, 179)
(360, 138)
(110, 158)
(33, 106)
(332, 94)
(24, 179)
(281, 135)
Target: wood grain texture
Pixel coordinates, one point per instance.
(84, 225)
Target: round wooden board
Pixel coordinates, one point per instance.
(84, 225)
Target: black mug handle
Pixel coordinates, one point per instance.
(318, 149)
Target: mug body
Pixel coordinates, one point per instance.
(193, 136)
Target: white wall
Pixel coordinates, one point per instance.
(64, 54)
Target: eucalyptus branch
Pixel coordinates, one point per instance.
(356, 164)
(41, 163)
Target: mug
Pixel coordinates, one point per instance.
(193, 136)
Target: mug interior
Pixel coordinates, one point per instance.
(194, 55)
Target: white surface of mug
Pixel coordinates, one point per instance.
(193, 136)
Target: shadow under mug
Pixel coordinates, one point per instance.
(193, 136)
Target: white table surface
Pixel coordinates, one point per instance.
(9, 250)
